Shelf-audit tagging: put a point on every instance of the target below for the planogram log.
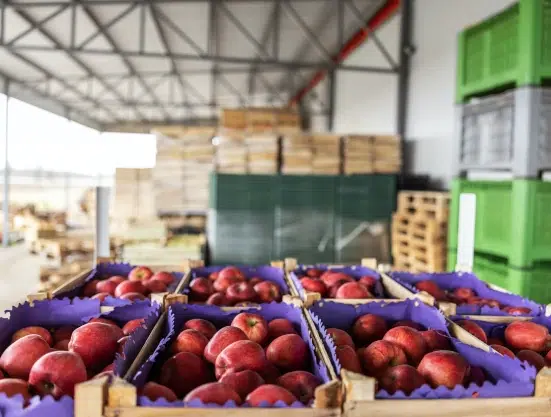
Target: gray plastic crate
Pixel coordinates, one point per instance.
(508, 131)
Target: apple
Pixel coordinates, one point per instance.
(503, 350)
(101, 296)
(190, 341)
(242, 382)
(133, 296)
(332, 290)
(19, 357)
(269, 372)
(473, 329)
(369, 328)
(117, 331)
(314, 285)
(63, 333)
(340, 337)
(106, 286)
(184, 372)
(476, 376)
(240, 292)
(314, 272)
(239, 356)
(140, 273)
(490, 303)
(270, 394)
(348, 359)
(517, 311)
(222, 339)
(155, 285)
(353, 290)
(213, 393)
(218, 299)
(435, 340)
(280, 327)
(40, 331)
(522, 335)
(62, 345)
(166, 277)
(201, 289)
(14, 386)
(533, 358)
(332, 278)
(154, 391)
(231, 271)
(255, 280)
(495, 341)
(126, 287)
(403, 378)
(367, 281)
(222, 283)
(57, 373)
(409, 323)
(205, 327)
(381, 355)
(96, 343)
(267, 292)
(132, 325)
(301, 384)
(463, 294)
(288, 352)
(431, 288)
(443, 367)
(90, 288)
(410, 340)
(117, 279)
(213, 276)
(253, 325)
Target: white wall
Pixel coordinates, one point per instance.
(367, 102)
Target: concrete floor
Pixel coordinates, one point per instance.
(19, 276)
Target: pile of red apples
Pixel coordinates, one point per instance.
(251, 361)
(330, 284)
(230, 287)
(43, 362)
(141, 281)
(462, 296)
(402, 357)
(525, 340)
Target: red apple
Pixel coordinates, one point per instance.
(231, 271)
(381, 355)
(253, 325)
(255, 280)
(288, 352)
(409, 323)
(184, 372)
(503, 350)
(403, 378)
(267, 292)
(63, 333)
(14, 386)
(340, 337)
(280, 327)
(222, 339)
(19, 357)
(90, 288)
(490, 303)
(132, 325)
(463, 294)
(40, 331)
(57, 373)
(155, 285)
(101, 296)
(332, 278)
(517, 311)
(269, 372)
(140, 273)
(213, 393)
(368, 328)
(533, 358)
(270, 394)
(476, 376)
(348, 359)
(522, 335)
(133, 296)
(410, 340)
(222, 283)
(495, 341)
(154, 391)
(213, 276)
(313, 272)
(240, 292)
(353, 290)
(314, 285)
(301, 384)
(332, 291)
(239, 356)
(106, 286)
(166, 277)
(436, 340)
(444, 367)
(117, 279)
(368, 281)
(62, 345)
(473, 329)
(96, 343)
(205, 327)
(126, 287)
(218, 299)
(190, 341)
(117, 331)
(431, 288)
(242, 382)
(201, 289)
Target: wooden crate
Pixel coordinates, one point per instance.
(366, 154)
(233, 119)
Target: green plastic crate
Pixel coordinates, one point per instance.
(512, 48)
(513, 219)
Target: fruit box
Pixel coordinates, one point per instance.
(73, 288)
(124, 401)
(385, 288)
(452, 280)
(57, 313)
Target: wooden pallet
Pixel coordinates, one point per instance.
(429, 204)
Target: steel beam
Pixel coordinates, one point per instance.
(406, 51)
(38, 24)
(332, 88)
(50, 3)
(107, 25)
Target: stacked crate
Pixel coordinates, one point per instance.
(419, 231)
(297, 154)
(231, 153)
(262, 152)
(366, 154)
(506, 131)
(326, 154)
(133, 197)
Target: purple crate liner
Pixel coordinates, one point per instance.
(512, 378)
(64, 312)
(267, 273)
(178, 314)
(452, 280)
(355, 271)
(106, 270)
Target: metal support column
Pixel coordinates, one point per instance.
(6, 201)
(331, 100)
(102, 222)
(406, 51)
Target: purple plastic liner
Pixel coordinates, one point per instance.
(452, 280)
(57, 313)
(106, 270)
(511, 378)
(355, 271)
(267, 273)
(178, 314)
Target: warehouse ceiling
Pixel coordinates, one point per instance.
(111, 62)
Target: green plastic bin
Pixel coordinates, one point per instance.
(513, 219)
(512, 48)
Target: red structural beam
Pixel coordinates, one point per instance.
(351, 45)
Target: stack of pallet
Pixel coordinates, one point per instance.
(419, 231)
(262, 149)
(297, 154)
(260, 120)
(326, 154)
(231, 153)
(368, 154)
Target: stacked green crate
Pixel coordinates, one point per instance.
(241, 218)
(512, 234)
(512, 48)
(304, 218)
